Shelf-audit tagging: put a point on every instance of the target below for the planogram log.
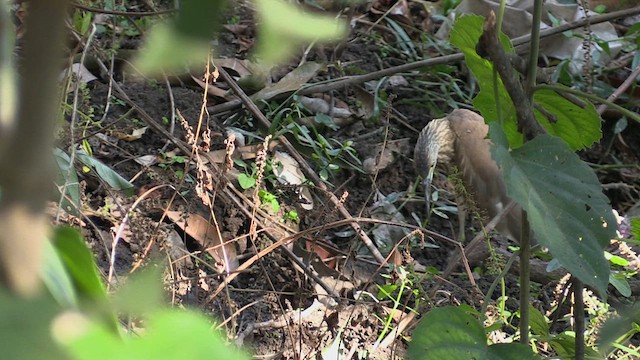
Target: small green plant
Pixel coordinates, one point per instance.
(247, 179)
(329, 155)
(169, 160)
(291, 215)
(268, 199)
(395, 290)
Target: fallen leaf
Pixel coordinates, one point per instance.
(147, 160)
(290, 82)
(207, 236)
(135, 134)
(243, 152)
(80, 74)
(287, 170)
(212, 89)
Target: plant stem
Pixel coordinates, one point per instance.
(525, 238)
(578, 317)
(525, 254)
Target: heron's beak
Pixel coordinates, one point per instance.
(426, 183)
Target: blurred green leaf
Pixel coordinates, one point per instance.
(25, 324)
(169, 50)
(57, 279)
(619, 281)
(169, 335)
(283, 27)
(141, 293)
(79, 261)
(199, 19)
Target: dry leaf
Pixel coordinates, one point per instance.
(212, 89)
(201, 230)
(135, 134)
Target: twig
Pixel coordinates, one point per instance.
(123, 13)
(621, 89)
(489, 47)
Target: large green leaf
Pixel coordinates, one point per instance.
(169, 334)
(577, 124)
(465, 35)
(25, 324)
(79, 262)
(567, 210)
(451, 333)
(57, 279)
(565, 344)
(284, 27)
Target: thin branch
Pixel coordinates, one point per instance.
(489, 47)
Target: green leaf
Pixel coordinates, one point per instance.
(169, 335)
(538, 322)
(26, 327)
(283, 27)
(451, 333)
(616, 260)
(621, 284)
(564, 344)
(578, 125)
(169, 50)
(465, 35)
(106, 173)
(141, 293)
(635, 228)
(625, 323)
(57, 279)
(66, 175)
(567, 210)
(79, 262)
(326, 120)
(246, 181)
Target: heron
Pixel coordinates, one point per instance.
(460, 140)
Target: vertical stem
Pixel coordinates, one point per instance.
(525, 254)
(530, 81)
(525, 238)
(496, 89)
(578, 317)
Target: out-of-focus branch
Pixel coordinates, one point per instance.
(25, 163)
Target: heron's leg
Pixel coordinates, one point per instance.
(462, 217)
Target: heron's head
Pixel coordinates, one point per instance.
(435, 146)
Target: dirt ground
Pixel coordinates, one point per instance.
(273, 305)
